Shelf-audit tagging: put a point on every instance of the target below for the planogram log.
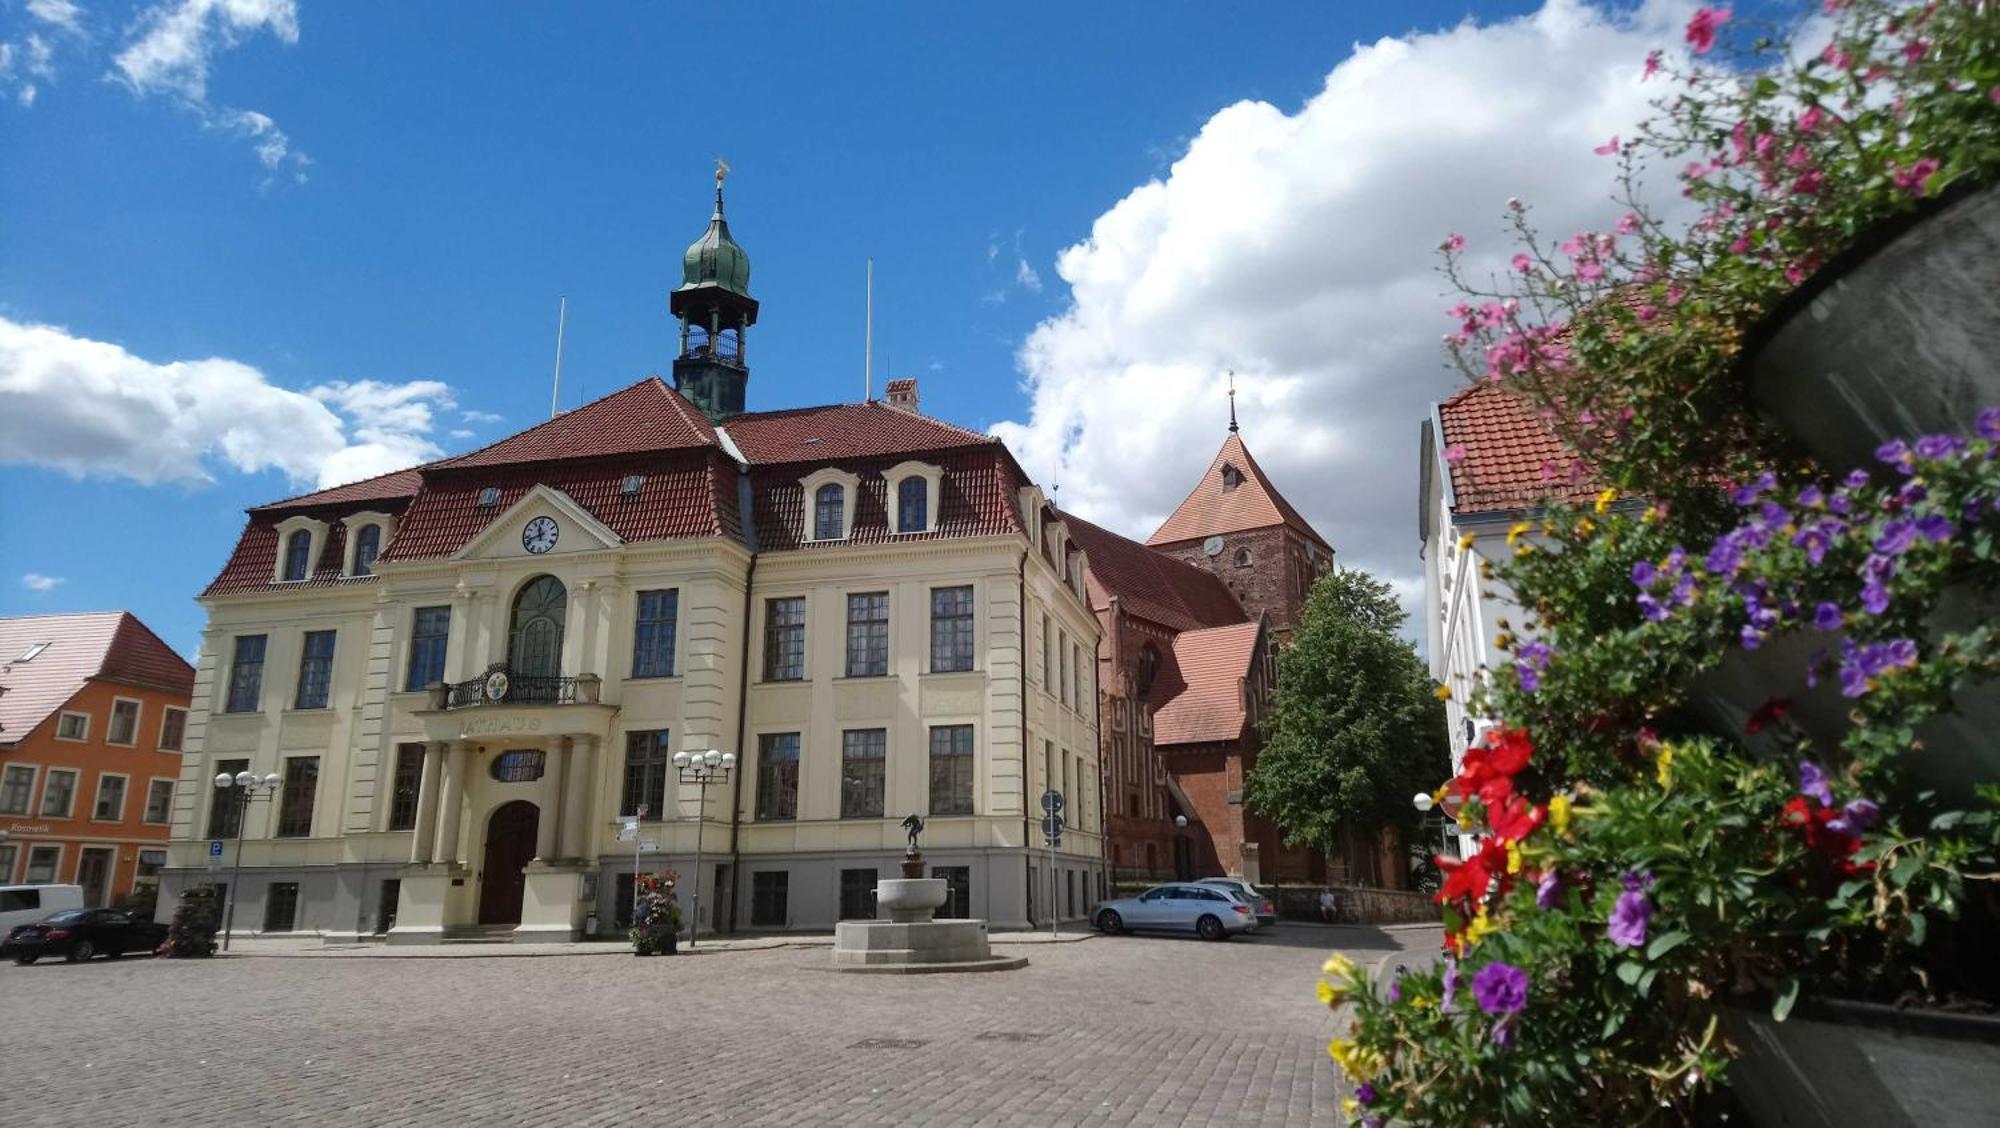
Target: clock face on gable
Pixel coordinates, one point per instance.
(540, 535)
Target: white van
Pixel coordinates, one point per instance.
(26, 904)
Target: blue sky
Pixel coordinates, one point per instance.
(331, 194)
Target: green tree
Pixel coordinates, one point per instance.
(1355, 729)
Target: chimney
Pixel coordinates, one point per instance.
(902, 394)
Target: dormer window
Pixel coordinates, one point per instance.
(913, 496)
(829, 507)
(1231, 477)
(830, 495)
(367, 546)
(298, 554)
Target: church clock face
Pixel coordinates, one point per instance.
(540, 535)
(1212, 546)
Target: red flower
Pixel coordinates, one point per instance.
(1516, 819)
(1769, 713)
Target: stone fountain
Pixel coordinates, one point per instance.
(910, 942)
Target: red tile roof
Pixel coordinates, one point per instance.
(1512, 457)
(393, 486)
(1214, 508)
(975, 498)
(1150, 584)
(1213, 663)
(648, 416)
(110, 646)
(844, 431)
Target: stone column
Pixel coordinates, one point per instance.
(550, 817)
(579, 775)
(451, 794)
(423, 843)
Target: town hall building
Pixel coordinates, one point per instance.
(457, 691)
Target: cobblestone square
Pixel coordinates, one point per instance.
(1122, 1030)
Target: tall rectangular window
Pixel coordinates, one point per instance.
(160, 801)
(778, 775)
(951, 770)
(1048, 657)
(913, 504)
(1062, 662)
(647, 761)
(295, 803)
(1082, 682)
(124, 723)
(246, 674)
(951, 629)
(315, 670)
(857, 894)
(281, 906)
(405, 785)
(225, 812)
(868, 634)
(17, 786)
(769, 893)
(653, 634)
(58, 793)
(173, 729)
(9, 852)
(785, 639)
(430, 630)
(42, 864)
(110, 798)
(863, 755)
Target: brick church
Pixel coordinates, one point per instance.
(1190, 622)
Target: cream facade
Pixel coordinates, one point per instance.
(421, 801)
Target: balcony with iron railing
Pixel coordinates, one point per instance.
(499, 686)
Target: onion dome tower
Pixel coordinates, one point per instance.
(715, 309)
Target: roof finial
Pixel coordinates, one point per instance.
(1232, 401)
(721, 170)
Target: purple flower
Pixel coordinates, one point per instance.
(1937, 448)
(1644, 573)
(1548, 889)
(1988, 425)
(1652, 609)
(1813, 782)
(1815, 538)
(1748, 495)
(1501, 989)
(1935, 527)
(1629, 917)
(1897, 537)
(1773, 515)
(1531, 678)
(1860, 814)
(1364, 1093)
(1751, 637)
(1451, 978)
(1874, 597)
(1839, 503)
(1813, 662)
(1900, 652)
(1812, 497)
(1856, 479)
(1911, 492)
(1895, 453)
(1726, 556)
(1503, 1033)
(1396, 985)
(1827, 617)
(1853, 683)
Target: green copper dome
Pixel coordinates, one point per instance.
(715, 259)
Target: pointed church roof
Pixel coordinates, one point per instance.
(644, 417)
(1217, 506)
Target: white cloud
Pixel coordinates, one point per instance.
(90, 408)
(169, 51)
(26, 63)
(1026, 278)
(470, 416)
(460, 433)
(65, 14)
(35, 581)
(1299, 249)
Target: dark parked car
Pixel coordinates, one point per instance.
(78, 934)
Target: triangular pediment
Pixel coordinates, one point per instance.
(507, 537)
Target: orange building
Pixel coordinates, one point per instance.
(93, 710)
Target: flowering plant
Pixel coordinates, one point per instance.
(1628, 339)
(656, 913)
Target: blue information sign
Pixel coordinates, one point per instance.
(215, 847)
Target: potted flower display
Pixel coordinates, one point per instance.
(1740, 822)
(656, 915)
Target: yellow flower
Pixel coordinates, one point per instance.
(1338, 966)
(1330, 995)
(1513, 859)
(1350, 1106)
(1559, 813)
(1465, 541)
(1503, 641)
(1666, 765)
(1585, 526)
(1652, 515)
(1443, 693)
(1481, 925)
(1353, 1060)
(1420, 1002)
(1519, 530)
(1605, 499)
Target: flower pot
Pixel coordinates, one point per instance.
(1897, 337)
(1834, 1062)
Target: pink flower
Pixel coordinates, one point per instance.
(1576, 245)
(1455, 453)
(1514, 202)
(1767, 143)
(1994, 94)
(1589, 271)
(1609, 148)
(1523, 263)
(1454, 242)
(1834, 57)
(1701, 29)
(1646, 313)
(1653, 67)
(1799, 157)
(1914, 50)
(1795, 273)
(1811, 119)
(1912, 179)
(1740, 246)
(1627, 223)
(1809, 184)
(1675, 294)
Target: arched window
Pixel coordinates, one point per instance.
(829, 501)
(1149, 669)
(367, 546)
(912, 505)
(534, 642)
(1243, 558)
(298, 550)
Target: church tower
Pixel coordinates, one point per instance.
(716, 311)
(1237, 526)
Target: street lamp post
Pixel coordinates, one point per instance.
(241, 788)
(1183, 854)
(700, 769)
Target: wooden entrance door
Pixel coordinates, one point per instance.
(510, 845)
(93, 872)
